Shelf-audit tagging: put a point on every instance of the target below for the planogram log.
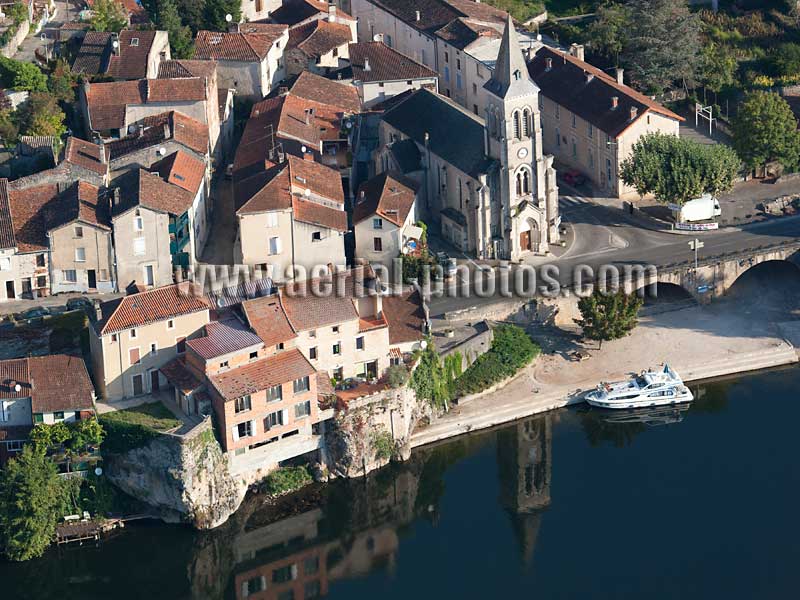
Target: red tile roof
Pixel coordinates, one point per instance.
(14, 372)
(319, 37)
(313, 213)
(87, 155)
(130, 61)
(268, 319)
(79, 202)
(306, 311)
(342, 96)
(147, 307)
(244, 47)
(223, 337)
(180, 68)
(183, 170)
(385, 64)
(60, 383)
(93, 54)
(263, 374)
(292, 12)
(161, 127)
(406, 317)
(565, 83)
(183, 89)
(264, 192)
(28, 215)
(180, 376)
(388, 195)
(321, 180)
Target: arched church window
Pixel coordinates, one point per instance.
(516, 119)
(526, 123)
(523, 182)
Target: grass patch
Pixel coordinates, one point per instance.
(69, 331)
(511, 350)
(287, 479)
(135, 427)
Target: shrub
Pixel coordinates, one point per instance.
(511, 350)
(135, 427)
(383, 444)
(287, 479)
(397, 375)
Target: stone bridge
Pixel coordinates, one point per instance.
(716, 274)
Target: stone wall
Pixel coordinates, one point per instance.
(13, 44)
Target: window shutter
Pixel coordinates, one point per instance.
(134, 356)
(253, 427)
(235, 430)
(284, 416)
(245, 589)
(278, 246)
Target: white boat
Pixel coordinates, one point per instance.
(649, 388)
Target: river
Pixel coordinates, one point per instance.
(698, 503)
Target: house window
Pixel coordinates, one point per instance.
(5, 264)
(458, 80)
(311, 565)
(170, 324)
(273, 420)
(337, 348)
(133, 333)
(134, 41)
(180, 345)
(70, 276)
(40, 260)
(253, 355)
(275, 393)
(446, 57)
(245, 429)
(58, 416)
(446, 73)
(80, 254)
(38, 418)
(153, 348)
(103, 274)
(574, 122)
(316, 236)
(149, 275)
(335, 329)
(475, 108)
(113, 338)
(458, 64)
(301, 385)
(41, 281)
(274, 245)
(377, 244)
(223, 364)
(377, 223)
(591, 130)
(558, 111)
(338, 373)
(574, 148)
(78, 231)
(279, 346)
(133, 356)
(139, 247)
(312, 353)
(312, 333)
(242, 404)
(138, 224)
(335, 52)
(302, 409)
(272, 219)
(558, 137)
(360, 342)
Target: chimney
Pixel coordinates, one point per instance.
(366, 64)
(589, 76)
(620, 72)
(101, 142)
(331, 13)
(417, 15)
(308, 156)
(576, 50)
(98, 311)
(614, 102)
(548, 63)
(307, 113)
(634, 113)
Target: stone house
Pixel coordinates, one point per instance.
(292, 220)
(131, 54)
(384, 218)
(258, 10)
(160, 220)
(42, 389)
(318, 46)
(590, 120)
(301, 12)
(380, 73)
(133, 337)
(249, 63)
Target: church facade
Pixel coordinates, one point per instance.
(484, 183)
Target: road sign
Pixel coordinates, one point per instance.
(702, 289)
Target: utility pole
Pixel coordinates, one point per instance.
(695, 245)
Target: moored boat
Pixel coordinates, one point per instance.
(649, 388)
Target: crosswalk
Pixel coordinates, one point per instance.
(568, 203)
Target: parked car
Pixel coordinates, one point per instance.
(35, 315)
(80, 303)
(448, 264)
(574, 178)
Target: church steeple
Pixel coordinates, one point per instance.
(510, 78)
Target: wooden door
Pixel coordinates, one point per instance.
(138, 385)
(525, 240)
(154, 384)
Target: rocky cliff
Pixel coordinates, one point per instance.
(184, 478)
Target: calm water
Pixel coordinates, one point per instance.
(695, 504)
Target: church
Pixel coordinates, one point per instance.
(485, 183)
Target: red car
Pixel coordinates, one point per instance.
(574, 178)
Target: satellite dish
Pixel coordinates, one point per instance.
(98, 471)
(307, 193)
(423, 344)
(303, 149)
(162, 151)
(349, 125)
(18, 388)
(228, 18)
(115, 43)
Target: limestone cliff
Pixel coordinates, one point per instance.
(184, 478)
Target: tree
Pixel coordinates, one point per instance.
(9, 132)
(785, 60)
(62, 82)
(41, 115)
(609, 32)
(214, 12)
(108, 15)
(608, 316)
(84, 433)
(717, 68)
(765, 130)
(180, 35)
(663, 45)
(675, 169)
(22, 76)
(31, 502)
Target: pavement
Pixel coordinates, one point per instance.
(65, 12)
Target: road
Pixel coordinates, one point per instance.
(601, 235)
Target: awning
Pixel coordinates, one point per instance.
(412, 231)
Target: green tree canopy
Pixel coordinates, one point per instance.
(609, 32)
(62, 82)
(608, 316)
(717, 68)
(41, 115)
(108, 15)
(214, 12)
(663, 44)
(765, 130)
(675, 169)
(785, 60)
(31, 502)
(22, 76)
(168, 19)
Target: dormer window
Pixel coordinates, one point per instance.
(517, 75)
(134, 41)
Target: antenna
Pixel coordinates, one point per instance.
(307, 193)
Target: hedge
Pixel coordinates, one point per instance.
(286, 479)
(135, 427)
(511, 350)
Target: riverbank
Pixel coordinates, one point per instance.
(698, 342)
